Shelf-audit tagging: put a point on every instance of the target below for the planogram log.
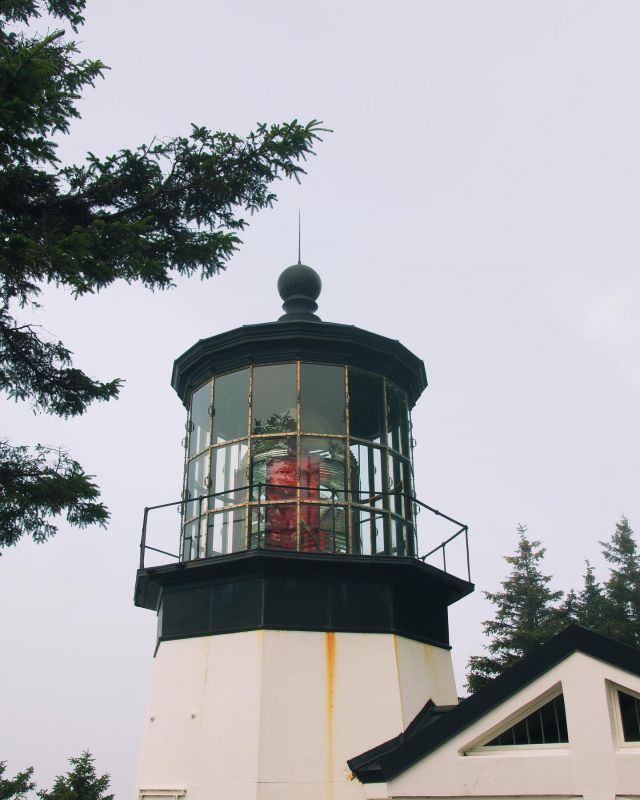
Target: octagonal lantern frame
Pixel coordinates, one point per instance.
(298, 456)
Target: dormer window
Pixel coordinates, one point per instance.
(630, 716)
(545, 725)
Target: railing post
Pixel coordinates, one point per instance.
(143, 538)
(466, 541)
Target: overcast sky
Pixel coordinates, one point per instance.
(478, 200)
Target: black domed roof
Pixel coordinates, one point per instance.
(299, 334)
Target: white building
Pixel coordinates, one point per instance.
(564, 722)
(303, 646)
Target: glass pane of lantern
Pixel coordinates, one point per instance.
(397, 419)
(367, 475)
(410, 540)
(274, 399)
(407, 479)
(257, 526)
(217, 534)
(323, 529)
(323, 468)
(228, 474)
(274, 465)
(377, 532)
(395, 484)
(200, 419)
(231, 406)
(226, 532)
(399, 537)
(408, 491)
(280, 526)
(321, 399)
(194, 539)
(399, 473)
(191, 540)
(366, 406)
(358, 482)
(367, 532)
(360, 533)
(239, 524)
(196, 484)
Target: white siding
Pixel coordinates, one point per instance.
(593, 765)
(276, 714)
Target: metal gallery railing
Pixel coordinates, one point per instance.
(360, 501)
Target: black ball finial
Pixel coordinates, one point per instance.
(299, 286)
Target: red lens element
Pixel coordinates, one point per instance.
(282, 482)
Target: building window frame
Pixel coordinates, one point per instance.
(615, 714)
(161, 794)
(480, 747)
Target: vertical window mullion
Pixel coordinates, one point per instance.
(348, 495)
(555, 711)
(385, 477)
(298, 456)
(204, 504)
(207, 505)
(249, 471)
(371, 469)
(182, 507)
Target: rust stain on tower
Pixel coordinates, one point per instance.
(330, 644)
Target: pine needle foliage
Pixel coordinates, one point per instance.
(591, 609)
(146, 214)
(16, 788)
(622, 588)
(80, 783)
(526, 614)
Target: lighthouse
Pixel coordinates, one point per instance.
(298, 625)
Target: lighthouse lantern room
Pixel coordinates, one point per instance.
(298, 625)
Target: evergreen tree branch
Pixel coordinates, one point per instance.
(80, 783)
(170, 207)
(16, 788)
(38, 485)
(39, 371)
(622, 588)
(526, 616)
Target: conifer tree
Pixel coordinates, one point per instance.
(168, 207)
(15, 788)
(80, 783)
(591, 606)
(622, 588)
(526, 615)
(568, 608)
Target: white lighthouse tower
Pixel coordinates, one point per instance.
(298, 627)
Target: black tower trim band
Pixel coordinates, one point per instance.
(300, 591)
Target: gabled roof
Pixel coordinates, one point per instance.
(432, 727)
